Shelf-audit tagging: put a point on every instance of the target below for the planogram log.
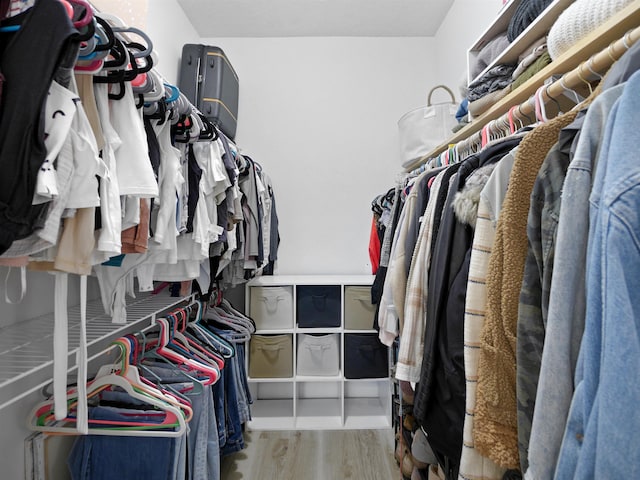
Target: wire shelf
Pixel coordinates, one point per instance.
(26, 348)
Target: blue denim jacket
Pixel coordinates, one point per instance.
(565, 320)
(601, 438)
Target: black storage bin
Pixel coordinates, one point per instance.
(365, 356)
(318, 306)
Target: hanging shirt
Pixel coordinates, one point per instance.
(60, 111)
(22, 148)
(109, 241)
(87, 164)
(135, 175)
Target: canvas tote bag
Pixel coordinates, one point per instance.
(422, 129)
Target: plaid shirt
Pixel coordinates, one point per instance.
(415, 306)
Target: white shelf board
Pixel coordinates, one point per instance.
(270, 380)
(364, 407)
(271, 423)
(318, 408)
(319, 378)
(286, 280)
(278, 408)
(274, 331)
(536, 30)
(377, 379)
(318, 330)
(319, 423)
(499, 25)
(376, 422)
(348, 330)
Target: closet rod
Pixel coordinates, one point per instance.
(596, 64)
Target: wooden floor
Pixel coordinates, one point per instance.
(314, 455)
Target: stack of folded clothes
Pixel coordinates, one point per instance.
(525, 14)
(488, 89)
(533, 59)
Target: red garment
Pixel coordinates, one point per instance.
(374, 246)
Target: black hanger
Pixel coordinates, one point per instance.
(148, 60)
(110, 35)
(209, 132)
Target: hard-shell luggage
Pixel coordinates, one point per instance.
(209, 81)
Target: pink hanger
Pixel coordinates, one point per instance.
(87, 18)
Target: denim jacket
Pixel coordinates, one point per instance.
(566, 308)
(601, 438)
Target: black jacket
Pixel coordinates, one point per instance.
(440, 395)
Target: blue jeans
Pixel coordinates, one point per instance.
(231, 398)
(202, 440)
(100, 457)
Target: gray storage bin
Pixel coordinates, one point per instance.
(271, 307)
(318, 355)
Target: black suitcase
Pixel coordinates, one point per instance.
(209, 81)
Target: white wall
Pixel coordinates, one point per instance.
(463, 25)
(169, 29)
(320, 115)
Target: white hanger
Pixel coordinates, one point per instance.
(125, 383)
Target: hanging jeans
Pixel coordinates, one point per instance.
(100, 457)
(202, 440)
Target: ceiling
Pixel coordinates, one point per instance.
(316, 18)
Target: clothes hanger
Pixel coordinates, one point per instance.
(174, 92)
(522, 115)
(553, 99)
(582, 78)
(164, 349)
(241, 325)
(90, 68)
(119, 54)
(193, 346)
(577, 98)
(85, 8)
(223, 347)
(137, 350)
(126, 378)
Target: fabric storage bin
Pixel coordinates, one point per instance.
(358, 309)
(318, 306)
(272, 307)
(318, 355)
(365, 356)
(271, 356)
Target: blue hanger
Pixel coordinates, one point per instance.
(175, 92)
(10, 28)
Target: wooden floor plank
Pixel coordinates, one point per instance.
(314, 455)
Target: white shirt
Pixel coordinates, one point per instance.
(135, 174)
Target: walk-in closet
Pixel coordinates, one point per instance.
(328, 240)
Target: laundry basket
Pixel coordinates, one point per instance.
(422, 129)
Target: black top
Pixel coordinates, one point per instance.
(29, 58)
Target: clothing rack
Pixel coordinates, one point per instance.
(596, 52)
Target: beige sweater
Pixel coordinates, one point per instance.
(495, 427)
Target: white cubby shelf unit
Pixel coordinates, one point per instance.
(313, 402)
